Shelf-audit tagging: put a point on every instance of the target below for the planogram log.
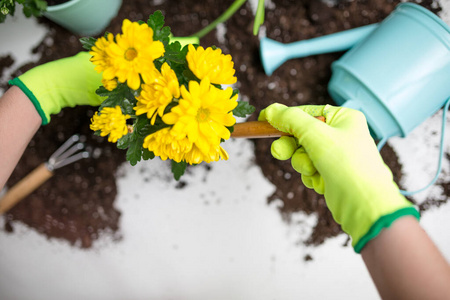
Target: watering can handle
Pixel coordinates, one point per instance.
(354, 105)
(441, 153)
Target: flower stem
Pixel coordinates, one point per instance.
(259, 17)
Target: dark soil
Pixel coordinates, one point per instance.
(77, 204)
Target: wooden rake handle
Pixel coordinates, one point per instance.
(259, 129)
(24, 187)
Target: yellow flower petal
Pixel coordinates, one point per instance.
(111, 121)
(163, 144)
(211, 63)
(133, 52)
(202, 116)
(157, 93)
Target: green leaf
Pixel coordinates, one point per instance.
(88, 42)
(174, 53)
(34, 7)
(121, 89)
(147, 154)
(156, 22)
(178, 169)
(189, 76)
(219, 86)
(124, 142)
(29, 8)
(134, 152)
(230, 129)
(103, 92)
(127, 107)
(179, 69)
(164, 35)
(243, 109)
(121, 96)
(111, 102)
(142, 125)
(41, 4)
(235, 92)
(144, 128)
(27, 11)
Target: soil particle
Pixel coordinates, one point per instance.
(5, 62)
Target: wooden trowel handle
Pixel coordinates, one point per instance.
(258, 129)
(24, 187)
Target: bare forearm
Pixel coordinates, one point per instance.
(405, 264)
(19, 121)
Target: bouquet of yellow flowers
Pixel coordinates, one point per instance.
(162, 99)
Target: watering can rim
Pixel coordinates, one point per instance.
(427, 13)
(378, 130)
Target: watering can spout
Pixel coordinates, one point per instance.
(274, 54)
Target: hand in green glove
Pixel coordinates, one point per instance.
(62, 83)
(339, 159)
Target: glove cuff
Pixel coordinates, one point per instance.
(17, 82)
(384, 222)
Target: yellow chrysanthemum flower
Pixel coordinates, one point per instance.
(110, 121)
(202, 115)
(195, 156)
(156, 95)
(100, 57)
(133, 53)
(211, 63)
(163, 144)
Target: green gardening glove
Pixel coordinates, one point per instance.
(340, 160)
(62, 83)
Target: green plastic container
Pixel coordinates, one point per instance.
(84, 17)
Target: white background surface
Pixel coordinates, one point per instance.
(205, 241)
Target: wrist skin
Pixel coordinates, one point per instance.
(404, 263)
(19, 121)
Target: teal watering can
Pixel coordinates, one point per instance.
(396, 72)
(84, 17)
